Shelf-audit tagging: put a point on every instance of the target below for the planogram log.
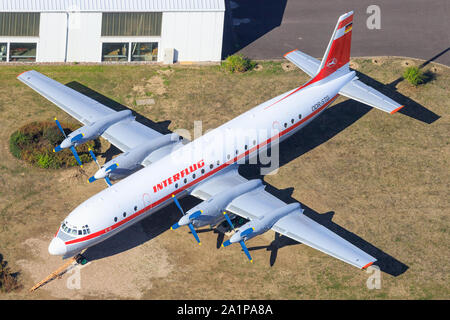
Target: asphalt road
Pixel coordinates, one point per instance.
(266, 29)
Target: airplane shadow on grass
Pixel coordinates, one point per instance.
(326, 126)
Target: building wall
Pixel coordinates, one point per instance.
(196, 36)
(84, 37)
(76, 36)
(52, 37)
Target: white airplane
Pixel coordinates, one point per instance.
(206, 168)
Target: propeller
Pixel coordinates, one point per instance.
(241, 242)
(186, 220)
(93, 178)
(72, 148)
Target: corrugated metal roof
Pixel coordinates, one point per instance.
(110, 5)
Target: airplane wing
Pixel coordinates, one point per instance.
(303, 61)
(124, 135)
(295, 225)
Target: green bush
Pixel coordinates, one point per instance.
(16, 141)
(238, 63)
(414, 76)
(35, 141)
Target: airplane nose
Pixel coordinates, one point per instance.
(57, 247)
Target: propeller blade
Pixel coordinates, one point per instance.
(112, 167)
(78, 137)
(60, 128)
(178, 204)
(175, 226)
(194, 233)
(108, 182)
(91, 179)
(94, 157)
(228, 219)
(247, 232)
(226, 243)
(244, 247)
(196, 214)
(57, 148)
(75, 154)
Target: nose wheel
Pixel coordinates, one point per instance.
(81, 259)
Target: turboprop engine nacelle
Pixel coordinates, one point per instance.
(257, 227)
(93, 130)
(212, 210)
(128, 162)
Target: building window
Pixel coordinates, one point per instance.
(19, 24)
(115, 52)
(22, 52)
(144, 51)
(3, 51)
(116, 24)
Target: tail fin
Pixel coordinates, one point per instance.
(338, 50)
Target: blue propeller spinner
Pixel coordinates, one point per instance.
(242, 235)
(72, 148)
(187, 220)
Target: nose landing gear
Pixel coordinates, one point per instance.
(80, 259)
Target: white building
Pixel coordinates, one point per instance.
(111, 30)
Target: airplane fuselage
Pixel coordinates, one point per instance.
(151, 188)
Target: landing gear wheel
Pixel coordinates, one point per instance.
(81, 260)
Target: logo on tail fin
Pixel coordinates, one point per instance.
(331, 63)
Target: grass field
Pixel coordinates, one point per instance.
(383, 179)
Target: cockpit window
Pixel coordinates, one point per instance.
(74, 230)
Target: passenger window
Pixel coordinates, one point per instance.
(292, 120)
(203, 171)
(185, 180)
(124, 214)
(79, 232)
(115, 219)
(211, 166)
(176, 185)
(84, 231)
(285, 125)
(193, 176)
(299, 116)
(135, 208)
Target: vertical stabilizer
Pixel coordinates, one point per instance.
(337, 54)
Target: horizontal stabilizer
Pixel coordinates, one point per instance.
(303, 61)
(361, 92)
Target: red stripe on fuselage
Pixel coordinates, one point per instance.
(226, 164)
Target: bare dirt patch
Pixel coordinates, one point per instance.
(287, 66)
(123, 276)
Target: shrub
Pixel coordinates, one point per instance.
(238, 63)
(8, 280)
(414, 76)
(35, 141)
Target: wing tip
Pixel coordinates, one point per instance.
(289, 52)
(22, 73)
(367, 265)
(394, 111)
